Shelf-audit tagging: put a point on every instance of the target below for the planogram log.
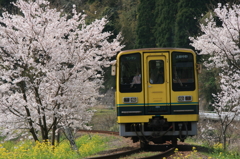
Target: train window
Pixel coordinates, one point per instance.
(130, 73)
(182, 72)
(156, 74)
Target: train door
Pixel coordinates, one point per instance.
(157, 99)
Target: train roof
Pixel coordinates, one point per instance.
(156, 49)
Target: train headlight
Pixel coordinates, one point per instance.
(134, 100)
(184, 98)
(130, 100)
(180, 98)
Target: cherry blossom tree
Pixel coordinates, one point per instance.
(221, 42)
(51, 68)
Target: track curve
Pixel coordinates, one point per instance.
(134, 151)
(100, 132)
(165, 152)
(117, 155)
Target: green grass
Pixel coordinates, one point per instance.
(87, 145)
(219, 153)
(214, 151)
(104, 119)
(104, 111)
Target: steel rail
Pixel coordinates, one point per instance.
(99, 131)
(166, 153)
(117, 155)
(160, 155)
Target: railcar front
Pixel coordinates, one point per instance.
(157, 94)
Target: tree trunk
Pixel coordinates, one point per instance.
(224, 142)
(30, 122)
(54, 128)
(58, 135)
(34, 134)
(70, 138)
(53, 135)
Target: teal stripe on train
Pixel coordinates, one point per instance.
(157, 110)
(150, 104)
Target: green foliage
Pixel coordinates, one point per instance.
(127, 22)
(219, 152)
(6, 5)
(4, 2)
(146, 23)
(213, 150)
(208, 85)
(165, 13)
(187, 17)
(109, 80)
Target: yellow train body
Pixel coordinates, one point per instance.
(157, 88)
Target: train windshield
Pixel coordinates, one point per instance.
(182, 72)
(130, 73)
(156, 71)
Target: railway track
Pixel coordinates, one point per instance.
(100, 132)
(159, 155)
(162, 151)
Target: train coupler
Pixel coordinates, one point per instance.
(157, 121)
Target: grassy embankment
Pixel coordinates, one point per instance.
(104, 119)
(27, 149)
(88, 144)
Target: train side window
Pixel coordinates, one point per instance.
(130, 73)
(183, 71)
(156, 71)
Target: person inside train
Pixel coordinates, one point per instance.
(160, 77)
(136, 79)
(156, 74)
(153, 71)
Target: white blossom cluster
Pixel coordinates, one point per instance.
(51, 67)
(221, 41)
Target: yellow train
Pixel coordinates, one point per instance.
(157, 94)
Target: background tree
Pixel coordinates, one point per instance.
(221, 41)
(187, 20)
(127, 22)
(51, 69)
(165, 15)
(6, 5)
(146, 23)
(208, 85)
